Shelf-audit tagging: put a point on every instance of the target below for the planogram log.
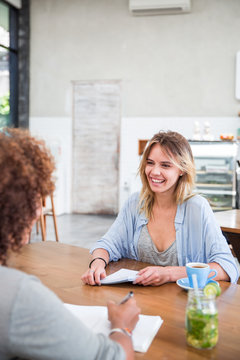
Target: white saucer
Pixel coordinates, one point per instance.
(184, 283)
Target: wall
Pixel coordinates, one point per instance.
(57, 132)
(170, 66)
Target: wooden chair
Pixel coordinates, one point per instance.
(43, 218)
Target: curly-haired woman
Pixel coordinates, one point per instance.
(166, 224)
(34, 324)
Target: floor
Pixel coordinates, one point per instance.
(76, 229)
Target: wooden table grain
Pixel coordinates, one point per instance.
(59, 266)
(229, 222)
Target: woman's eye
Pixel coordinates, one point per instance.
(166, 165)
(149, 162)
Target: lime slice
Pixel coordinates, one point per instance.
(212, 289)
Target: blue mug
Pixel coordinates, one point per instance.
(201, 271)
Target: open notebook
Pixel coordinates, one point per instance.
(120, 276)
(96, 318)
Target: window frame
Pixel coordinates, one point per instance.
(13, 63)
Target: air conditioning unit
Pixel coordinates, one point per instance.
(159, 7)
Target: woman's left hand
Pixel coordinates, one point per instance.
(153, 275)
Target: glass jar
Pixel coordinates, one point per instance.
(201, 320)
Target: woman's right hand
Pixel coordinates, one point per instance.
(124, 315)
(96, 273)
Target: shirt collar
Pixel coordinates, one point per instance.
(143, 219)
(180, 213)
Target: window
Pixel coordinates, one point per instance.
(8, 66)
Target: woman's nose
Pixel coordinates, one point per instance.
(156, 169)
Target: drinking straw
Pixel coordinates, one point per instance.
(195, 286)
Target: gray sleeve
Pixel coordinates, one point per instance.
(41, 328)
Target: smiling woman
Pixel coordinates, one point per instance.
(166, 224)
(173, 153)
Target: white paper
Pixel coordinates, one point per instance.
(123, 275)
(96, 318)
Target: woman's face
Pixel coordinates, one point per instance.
(161, 173)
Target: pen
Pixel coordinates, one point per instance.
(127, 297)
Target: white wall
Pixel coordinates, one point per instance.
(57, 132)
(171, 66)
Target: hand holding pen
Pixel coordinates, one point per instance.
(127, 297)
(125, 314)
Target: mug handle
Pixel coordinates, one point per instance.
(213, 276)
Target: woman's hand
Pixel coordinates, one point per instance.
(96, 273)
(124, 315)
(153, 275)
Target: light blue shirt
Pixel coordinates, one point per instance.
(198, 236)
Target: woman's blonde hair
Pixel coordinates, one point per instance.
(179, 151)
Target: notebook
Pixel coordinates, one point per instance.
(120, 276)
(96, 318)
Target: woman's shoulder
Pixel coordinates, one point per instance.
(197, 207)
(13, 276)
(132, 203)
(134, 197)
(12, 282)
(197, 201)
(132, 200)
(7, 273)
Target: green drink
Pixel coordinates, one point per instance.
(201, 321)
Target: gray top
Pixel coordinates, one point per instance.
(147, 251)
(34, 324)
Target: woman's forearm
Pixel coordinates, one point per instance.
(178, 272)
(221, 274)
(125, 342)
(100, 253)
(96, 268)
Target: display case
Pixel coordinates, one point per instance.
(216, 163)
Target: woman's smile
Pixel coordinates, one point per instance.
(157, 181)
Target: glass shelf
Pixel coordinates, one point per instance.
(216, 173)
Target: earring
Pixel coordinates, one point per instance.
(181, 174)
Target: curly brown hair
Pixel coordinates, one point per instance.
(26, 174)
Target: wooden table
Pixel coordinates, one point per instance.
(229, 222)
(59, 266)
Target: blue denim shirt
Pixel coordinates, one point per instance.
(198, 236)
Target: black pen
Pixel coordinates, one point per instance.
(127, 297)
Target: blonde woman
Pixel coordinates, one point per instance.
(166, 224)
